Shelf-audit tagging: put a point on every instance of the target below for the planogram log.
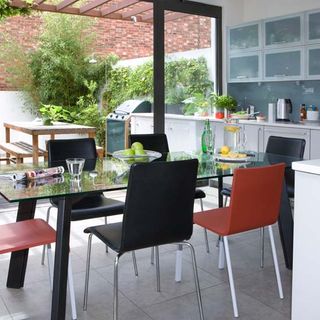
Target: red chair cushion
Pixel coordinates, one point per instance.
(25, 234)
(215, 220)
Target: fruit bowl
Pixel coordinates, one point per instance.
(148, 154)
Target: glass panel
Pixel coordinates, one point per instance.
(283, 31)
(314, 26)
(283, 64)
(132, 80)
(314, 62)
(244, 67)
(244, 37)
(189, 70)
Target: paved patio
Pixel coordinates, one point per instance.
(256, 288)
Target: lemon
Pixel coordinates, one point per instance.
(225, 150)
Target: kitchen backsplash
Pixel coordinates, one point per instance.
(260, 94)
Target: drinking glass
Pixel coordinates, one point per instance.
(75, 166)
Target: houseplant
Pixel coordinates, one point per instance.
(222, 104)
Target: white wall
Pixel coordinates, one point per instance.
(256, 9)
(11, 107)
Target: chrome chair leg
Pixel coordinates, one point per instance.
(230, 274)
(86, 283)
(115, 288)
(196, 278)
(135, 267)
(275, 262)
(106, 222)
(44, 247)
(262, 247)
(152, 256)
(50, 264)
(71, 291)
(178, 271)
(205, 230)
(157, 267)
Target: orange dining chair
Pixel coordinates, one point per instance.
(254, 203)
(31, 233)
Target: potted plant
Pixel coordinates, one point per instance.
(223, 104)
(197, 105)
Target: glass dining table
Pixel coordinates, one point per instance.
(105, 175)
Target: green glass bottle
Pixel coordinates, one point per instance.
(207, 138)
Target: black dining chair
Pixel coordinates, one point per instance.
(91, 206)
(291, 147)
(158, 211)
(159, 142)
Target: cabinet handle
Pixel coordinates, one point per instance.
(286, 132)
(259, 130)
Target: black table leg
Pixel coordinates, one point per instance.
(19, 259)
(285, 224)
(220, 196)
(60, 276)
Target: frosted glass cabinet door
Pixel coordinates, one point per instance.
(244, 37)
(283, 32)
(313, 62)
(283, 65)
(313, 27)
(245, 68)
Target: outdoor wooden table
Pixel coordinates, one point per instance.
(36, 129)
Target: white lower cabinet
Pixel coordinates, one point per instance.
(218, 129)
(184, 135)
(140, 125)
(254, 137)
(315, 144)
(289, 133)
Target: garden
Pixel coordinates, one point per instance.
(63, 80)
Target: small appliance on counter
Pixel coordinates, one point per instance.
(284, 109)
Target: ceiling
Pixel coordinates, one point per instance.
(135, 10)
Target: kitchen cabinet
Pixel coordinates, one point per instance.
(289, 133)
(245, 67)
(218, 129)
(283, 32)
(244, 37)
(313, 27)
(313, 62)
(283, 64)
(314, 144)
(140, 125)
(184, 134)
(254, 137)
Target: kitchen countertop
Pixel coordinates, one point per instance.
(308, 166)
(305, 125)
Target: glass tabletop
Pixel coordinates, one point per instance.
(112, 174)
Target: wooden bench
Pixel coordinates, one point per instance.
(19, 150)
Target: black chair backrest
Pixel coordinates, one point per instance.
(292, 147)
(159, 204)
(154, 141)
(61, 149)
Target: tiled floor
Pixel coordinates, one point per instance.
(256, 288)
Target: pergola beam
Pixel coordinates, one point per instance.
(65, 3)
(118, 6)
(92, 5)
(138, 10)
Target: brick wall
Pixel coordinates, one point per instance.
(125, 39)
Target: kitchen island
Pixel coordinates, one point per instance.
(306, 257)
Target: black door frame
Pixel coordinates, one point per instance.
(189, 7)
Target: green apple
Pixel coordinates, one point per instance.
(128, 152)
(137, 146)
(139, 152)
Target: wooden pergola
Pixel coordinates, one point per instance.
(135, 10)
